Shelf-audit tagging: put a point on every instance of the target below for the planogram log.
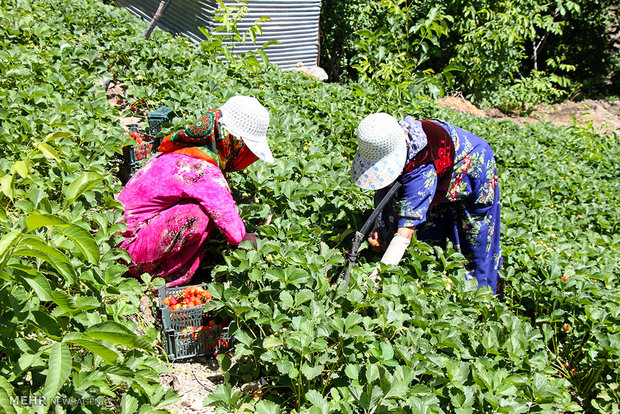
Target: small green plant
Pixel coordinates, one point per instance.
(226, 36)
(525, 94)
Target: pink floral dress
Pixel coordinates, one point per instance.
(172, 206)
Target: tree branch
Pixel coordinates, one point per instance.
(163, 4)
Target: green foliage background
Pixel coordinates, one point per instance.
(426, 341)
(491, 44)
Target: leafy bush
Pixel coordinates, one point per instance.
(477, 47)
(222, 40)
(64, 326)
(523, 96)
(396, 54)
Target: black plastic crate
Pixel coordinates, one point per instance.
(199, 343)
(179, 345)
(157, 118)
(136, 155)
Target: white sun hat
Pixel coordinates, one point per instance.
(381, 154)
(245, 117)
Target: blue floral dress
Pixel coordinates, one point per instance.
(469, 215)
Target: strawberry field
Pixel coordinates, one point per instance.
(426, 341)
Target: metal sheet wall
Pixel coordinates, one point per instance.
(293, 23)
(181, 17)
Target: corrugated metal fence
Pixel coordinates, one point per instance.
(293, 23)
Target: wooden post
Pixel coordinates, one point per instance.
(163, 4)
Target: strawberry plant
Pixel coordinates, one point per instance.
(65, 331)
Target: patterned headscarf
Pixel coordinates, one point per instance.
(416, 138)
(206, 139)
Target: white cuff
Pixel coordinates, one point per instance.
(396, 250)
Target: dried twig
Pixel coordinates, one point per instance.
(163, 4)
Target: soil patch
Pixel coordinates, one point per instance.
(193, 380)
(602, 116)
(461, 105)
(115, 93)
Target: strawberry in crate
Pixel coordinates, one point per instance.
(136, 135)
(216, 323)
(190, 296)
(190, 331)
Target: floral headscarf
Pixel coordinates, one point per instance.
(206, 139)
(416, 137)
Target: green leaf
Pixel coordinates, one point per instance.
(252, 61)
(286, 300)
(224, 393)
(129, 404)
(83, 240)
(271, 342)
(224, 361)
(35, 221)
(116, 333)
(263, 56)
(47, 324)
(303, 296)
(51, 255)
(107, 354)
(243, 337)
(48, 151)
(80, 185)
(311, 372)
(387, 352)
(318, 401)
(6, 184)
(56, 135)
(22, 168)
(40, 285)
(39, 244)
(434, 90)
(86, 302)
(27, 359)
(267, 407)
(170, 397)
(6, 392)
(457, 372)
(6, 244)
(65, 301)
(58, 369)
(352, 371)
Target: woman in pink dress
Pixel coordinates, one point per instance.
(179, 197)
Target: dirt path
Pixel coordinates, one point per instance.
(193, 380)
(602, 116)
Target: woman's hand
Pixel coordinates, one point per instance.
(406, 232)
(376, 244)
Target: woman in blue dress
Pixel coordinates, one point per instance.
(450, 189)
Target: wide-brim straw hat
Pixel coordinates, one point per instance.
(246, 118)
(382, 152)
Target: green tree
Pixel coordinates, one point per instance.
(495, 44)
(400, 50)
